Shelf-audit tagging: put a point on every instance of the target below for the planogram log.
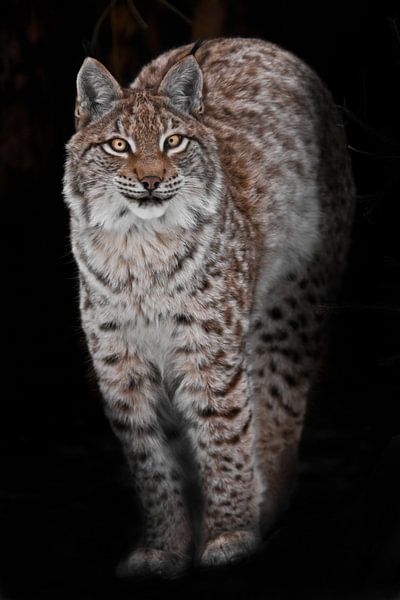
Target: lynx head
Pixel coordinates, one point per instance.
(140, 155)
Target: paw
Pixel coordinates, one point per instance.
(229, 548)
(149, 562)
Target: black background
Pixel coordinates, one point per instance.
(67, 512)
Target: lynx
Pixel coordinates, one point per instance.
(211, 204)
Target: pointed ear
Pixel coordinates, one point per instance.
(97, 91)
(183, 85)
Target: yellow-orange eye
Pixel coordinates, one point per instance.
(118, 145)
(173, 141)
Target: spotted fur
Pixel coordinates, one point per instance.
(204, 303)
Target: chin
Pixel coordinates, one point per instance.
(149, 212)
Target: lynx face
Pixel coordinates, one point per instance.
(138, 156)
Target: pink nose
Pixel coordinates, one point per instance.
(150, 182)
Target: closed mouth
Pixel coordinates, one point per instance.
(148, 199)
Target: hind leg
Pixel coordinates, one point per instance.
(276, 453)
(285, 349)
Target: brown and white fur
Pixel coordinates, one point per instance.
(204, 271)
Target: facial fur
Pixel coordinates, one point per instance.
(106, 189)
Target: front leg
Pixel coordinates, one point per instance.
(132, 391)
(214, 395)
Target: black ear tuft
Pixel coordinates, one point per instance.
(196, 46)
(183, 85)
(97, 91)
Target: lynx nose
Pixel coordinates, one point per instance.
(150, 182)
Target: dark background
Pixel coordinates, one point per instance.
(67, 511)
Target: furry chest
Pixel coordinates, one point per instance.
(150, 338)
